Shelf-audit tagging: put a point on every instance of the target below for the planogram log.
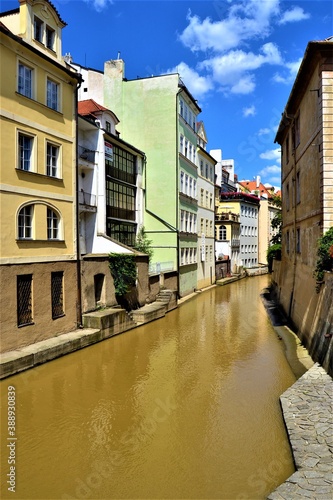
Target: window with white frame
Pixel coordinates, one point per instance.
(52, 95)
(191, 187)
(222, 233)
(181, 182)
(25, 152)
(25, 80)
(24, 223)
(182, 256)
(182, 220)
(186, 184)
(52, 160)
(186, 222)
(190, 151)
(201, 168)
(181, 144)
(52, 225)
(194, 188)
(194, 155)
(186, 148)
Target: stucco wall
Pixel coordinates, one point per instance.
(43, 327)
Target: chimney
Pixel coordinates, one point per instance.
(258, 181)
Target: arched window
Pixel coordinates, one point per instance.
(223, 233)
(25, 222)
(52, 225)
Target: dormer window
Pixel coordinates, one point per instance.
(38, 30)
(108, 126)
(50, 37)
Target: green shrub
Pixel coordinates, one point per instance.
(273, 252)
(123, 271)
(324, 256)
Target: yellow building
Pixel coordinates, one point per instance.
(38, 178)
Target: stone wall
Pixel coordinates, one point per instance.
(310, 313)
(222, 269)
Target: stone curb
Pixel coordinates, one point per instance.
(307, 411)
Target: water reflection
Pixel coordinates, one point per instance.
(184, 407)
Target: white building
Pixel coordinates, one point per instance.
(206, 211)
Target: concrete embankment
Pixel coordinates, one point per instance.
(308, 416)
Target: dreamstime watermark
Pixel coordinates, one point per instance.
(133, 439)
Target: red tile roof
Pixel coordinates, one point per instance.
(89, 107)
(252, 186)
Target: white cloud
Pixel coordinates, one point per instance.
(249, 111)
(271, 154)
(234, 70)
(271, 170)
(245, 20)
(294, 15)
(264, 131)
(197, 85)
(99, 5)
(289, 75)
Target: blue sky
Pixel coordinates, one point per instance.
(239, 58)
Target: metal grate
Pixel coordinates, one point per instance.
(24, 299)
(57, 294)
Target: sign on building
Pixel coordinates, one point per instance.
(108, 151)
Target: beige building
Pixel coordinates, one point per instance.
(38, 178)
(305, 134)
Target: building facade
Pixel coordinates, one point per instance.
(164, 127)
(38, 178)
(305, 135)
(206, 211)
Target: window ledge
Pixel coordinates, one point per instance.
(38, 102)
(58, 179)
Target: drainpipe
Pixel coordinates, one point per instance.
(78, 254)
(294, 229)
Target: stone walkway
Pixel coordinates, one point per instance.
(308, 414)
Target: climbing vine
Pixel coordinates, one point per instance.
(324, 256)
(143, 244)
(123, 271)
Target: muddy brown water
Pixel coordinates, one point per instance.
(185, 407)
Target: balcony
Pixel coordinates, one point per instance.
(235, 243)
(227, 216)
(88, 201)
(86, 156)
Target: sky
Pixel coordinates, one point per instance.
(238, 58)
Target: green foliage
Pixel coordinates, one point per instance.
(325, 255)
(273, 252)
(123, 270)
(142, 244)
(277, 222)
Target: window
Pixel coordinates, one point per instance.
(57, 294)
(38, 30)
(287, 197)
(191, 187)
(210, 200)
(206, 170)
(190, 151)
(296, 138)
(186, 148)
(194, 188)
(181, 143)
(201, 168)
(24, 299)
(298, 188)
(186, 184)
(52, 160)
(298, 240)
(223, 233)
(108, 126)
(25, 223)
(181, 106)
(287, 149)
(181, 182)
(25, 145)
(52, 95)
(52, 225)
(182, 220)
(25, 80)
(50, 37)
(202, 197)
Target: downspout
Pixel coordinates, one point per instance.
(294, 229)
(177, 193)
(78, 254)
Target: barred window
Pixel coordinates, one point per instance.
(57, 294)
(24, 299)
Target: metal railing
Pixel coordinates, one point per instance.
(87, 199)
(86, 154)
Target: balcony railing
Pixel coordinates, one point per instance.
(227, 216)
(87, 199)
(86, 154)
(161, 267)
(235, 243)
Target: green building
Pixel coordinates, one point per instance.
(159, 115)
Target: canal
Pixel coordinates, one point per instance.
(185, 407)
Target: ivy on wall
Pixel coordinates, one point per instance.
(324, 256)
(123, 271)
